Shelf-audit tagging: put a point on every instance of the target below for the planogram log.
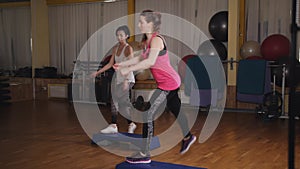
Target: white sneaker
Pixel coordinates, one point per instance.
(111, 129)
(131, 127)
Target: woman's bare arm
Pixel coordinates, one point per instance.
(156, 46)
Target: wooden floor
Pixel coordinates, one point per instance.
(47, 135)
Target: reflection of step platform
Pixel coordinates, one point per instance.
(154, 165)
(134, 139)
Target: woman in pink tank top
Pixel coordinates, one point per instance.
(156, 58)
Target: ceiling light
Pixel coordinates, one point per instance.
(109, 1)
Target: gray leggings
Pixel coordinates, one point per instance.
(157, 100)
(121, 101)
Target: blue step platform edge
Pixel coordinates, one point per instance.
(154, 165)
(134, 139)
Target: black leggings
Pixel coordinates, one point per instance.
(158, 101)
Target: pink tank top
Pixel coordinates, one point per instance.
(163, 73)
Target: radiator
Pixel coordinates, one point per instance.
(57, 91)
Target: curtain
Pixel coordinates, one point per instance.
(76, 30)
(92, 26)
(267, 17)
(15, 41)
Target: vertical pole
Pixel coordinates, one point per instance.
(242, 19)
(233, 38)
(131, 17)
(291, 133)
(233, 50)
(40, 34)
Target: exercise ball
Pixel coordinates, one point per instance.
(213, 47)
(182, 65)
(143, 74)
(275, 46)
(218, 26)
(250, 48)
(255, 58)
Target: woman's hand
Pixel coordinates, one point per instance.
(116, 66)
(93, 75)
(124, 71)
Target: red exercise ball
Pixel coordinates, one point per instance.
(275, 46)
(182, 65)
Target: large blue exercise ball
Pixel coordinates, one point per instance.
(218, 26)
